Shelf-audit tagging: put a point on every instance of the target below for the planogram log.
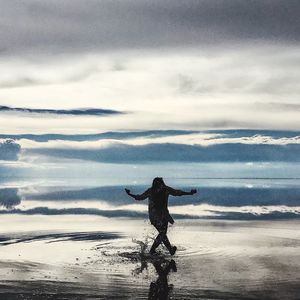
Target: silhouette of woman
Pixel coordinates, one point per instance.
(158, 210)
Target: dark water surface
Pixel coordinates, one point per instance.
(215, 260)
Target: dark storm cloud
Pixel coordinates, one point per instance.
(77, 26)
(72, 112)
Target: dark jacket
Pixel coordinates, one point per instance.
(158, 204)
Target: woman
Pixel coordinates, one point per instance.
(158, 210)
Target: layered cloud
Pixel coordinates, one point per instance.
(167, 90)
(184, 147)
(140, 138)
(9, 149)
(72, 112)
(9, 198)
(118, 153)
(173, 64)
(117, 135)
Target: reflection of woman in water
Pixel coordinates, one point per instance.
(158, 210)
(160, 289)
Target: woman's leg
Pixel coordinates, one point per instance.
(161, 237)
(157, 240)
(164, 237)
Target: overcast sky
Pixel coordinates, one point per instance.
(165, 64)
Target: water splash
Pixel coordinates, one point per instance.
(143, 245)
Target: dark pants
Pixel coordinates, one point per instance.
(162, 228)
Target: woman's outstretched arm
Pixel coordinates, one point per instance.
(143, 196)
(174, 192)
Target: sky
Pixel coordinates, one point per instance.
(73, 66)
(96, 95)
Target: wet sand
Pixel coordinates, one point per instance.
(90, 257)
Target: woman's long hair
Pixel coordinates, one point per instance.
(157, 183)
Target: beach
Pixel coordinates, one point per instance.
(93, 257)
(117, 117)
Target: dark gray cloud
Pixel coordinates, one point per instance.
(116, 135)
(72, 112)
(238, 133)
(9, 150)
(227, 152)
(9, 197)
(76, 26)
(124, 135)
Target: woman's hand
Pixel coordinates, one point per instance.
(129, 194)
(193, 191)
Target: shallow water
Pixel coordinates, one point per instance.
(215, 259)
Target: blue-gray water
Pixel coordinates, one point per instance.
(239, 174)
(225, 190)
(237, 238)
